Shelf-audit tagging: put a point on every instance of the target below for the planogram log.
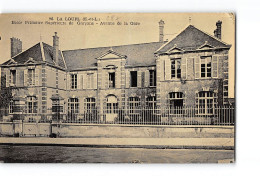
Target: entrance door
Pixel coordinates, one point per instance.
(112, 108)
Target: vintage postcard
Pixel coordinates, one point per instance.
(117, 88)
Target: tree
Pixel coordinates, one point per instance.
(5, 97)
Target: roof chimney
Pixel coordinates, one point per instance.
(161, 27)
(56, 48)
(217, 32)
(16, 46)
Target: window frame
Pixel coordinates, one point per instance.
(73, 81)
(152, 78)
(31, 105)
(208, 74)
(174, 68)
(205, 101)
(74, 104)
(111, 80)
(176, 96)
(134, 105)
(89, 105)
(131, 79)
(13, 76)
(31, 77)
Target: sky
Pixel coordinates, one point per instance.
(144, 29)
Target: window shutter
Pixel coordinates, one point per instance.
(94, 81)
(197, 67)
(25, 78)
(69, 81)
(127, 80)
(143, 79)
(36, 77)
(147, 78)
(7, 78)
(184, 68)
(139, 79)
(215, 66)
(167, 70)
(78, 81)
(17, 78)
(84, 81)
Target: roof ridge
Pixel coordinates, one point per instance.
(112, 46)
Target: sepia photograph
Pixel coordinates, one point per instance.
(117, 88)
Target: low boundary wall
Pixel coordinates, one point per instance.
(114, 130)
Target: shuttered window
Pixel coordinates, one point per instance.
(31, 77)
(73, 81)
(205, 67)
(152, 79)
(176, 68)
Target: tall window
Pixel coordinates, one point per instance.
(205, 102)
(205, 67)
(31, 77)
(111, 79)
(152, 79)
(74, 81)
(176, 68)
(89, 105)
(31, 105)
(176, 102)
(11, 107)
(134, 104)
(73, 105)
(133, 78)
(112, 105)
(13, 76)
(151, 103)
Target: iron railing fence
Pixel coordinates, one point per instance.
(187, 115)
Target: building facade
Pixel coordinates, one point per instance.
(189, 70)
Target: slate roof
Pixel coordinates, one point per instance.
(137, 55)
(191, 38)
(35, 53)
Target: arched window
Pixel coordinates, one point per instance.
(112, 105)
(205, 102)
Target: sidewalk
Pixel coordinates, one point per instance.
(153, 143)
